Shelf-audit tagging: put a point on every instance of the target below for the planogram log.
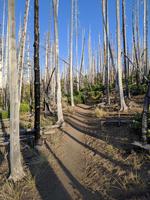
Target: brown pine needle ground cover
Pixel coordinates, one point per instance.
(83, 160)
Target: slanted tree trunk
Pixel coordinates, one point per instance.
(119, 63)
(16, 169)
(22, 47)
(36, 73)
(59, 96)
(82, 60)
(46, 75)
(71, 53)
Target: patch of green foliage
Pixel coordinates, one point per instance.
(138, 90)
(24, 107)
(137, 122)
(78, 97)
(95, 95)
(4, 114)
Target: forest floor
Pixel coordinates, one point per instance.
(84, 160)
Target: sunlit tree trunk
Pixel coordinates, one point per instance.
(106, 47)
(89, 58)
(119, 60)
(36, 73)
(76, 24)
(71, 53)
(22, 47)
(16, 169)
(30, 76)
(6, 74)
(3, 48)
(135, 53)
(146, 70)
(59, 95)
(82, 60)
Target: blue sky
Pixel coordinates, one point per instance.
(89, 17)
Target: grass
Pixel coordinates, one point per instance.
(99, 112)
(11, 191)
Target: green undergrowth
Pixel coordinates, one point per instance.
(4, 114)
(24, 107)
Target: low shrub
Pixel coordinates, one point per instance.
(24, 107)
(137, 123)
(138, 90)
(4, 114)
(79, 98)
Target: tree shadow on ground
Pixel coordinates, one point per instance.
(47, 183)
(89, 131)
(107, 157)
(86, 193)
(84, 107)
(120, 137)
(91, 122)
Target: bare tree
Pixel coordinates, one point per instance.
(36, 73)
(106, 47)
(3, 47)
(76, 24)
(16, 169)
(59, 96)
(119, 63)
(125, 47)
(71, 53)
(22, 46)
(146, 70)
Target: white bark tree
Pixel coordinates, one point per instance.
(16, 169)
(76, 24)
(3, 45)
(119, 60)
(71, 53)
(146, 70)
(59, 95)
(22, 47)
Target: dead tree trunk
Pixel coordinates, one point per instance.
(105, 31)
(76, 24)
(36, 73)
(119, 63)
(125, 48)
(16, 169)
(71, 53)
(136, 54)
(145, 115)
(146, 70)
(59, 96)
(22, 47)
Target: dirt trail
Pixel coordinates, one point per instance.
(69, 160)
(87, 161)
